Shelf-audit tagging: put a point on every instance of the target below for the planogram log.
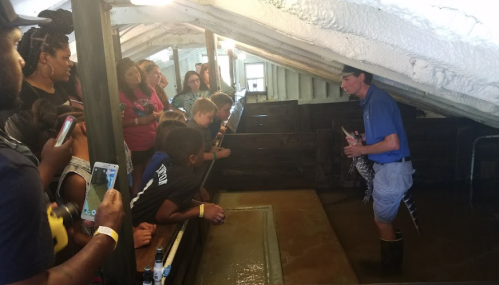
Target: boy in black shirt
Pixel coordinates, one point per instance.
(168, 197)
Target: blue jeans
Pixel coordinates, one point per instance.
(390, 183)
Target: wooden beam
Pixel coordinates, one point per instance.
(143, 53)
(143, 39)
(292, 63)
(211, 51)
(117, 44)
(178, 78)
(174, 40)
(147, 14)
(103, 118)
(231, 67)
(182, 54)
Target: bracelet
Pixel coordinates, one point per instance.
(201, 210)
(109, 232)
(136, 121)
(214, 156)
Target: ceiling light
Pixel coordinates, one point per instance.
(227, 44)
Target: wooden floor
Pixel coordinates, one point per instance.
(310, 252)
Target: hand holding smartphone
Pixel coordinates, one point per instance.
(103, 179)
(66, 130)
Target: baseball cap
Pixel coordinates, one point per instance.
(9, 17)
(348, 70)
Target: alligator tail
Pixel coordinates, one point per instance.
(411, 206)
(369, 191)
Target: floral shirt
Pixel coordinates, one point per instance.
(141, 137)
(186, 101)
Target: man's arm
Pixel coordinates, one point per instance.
(391, 142)
(204, 194)
(81, 267)
(169, 212)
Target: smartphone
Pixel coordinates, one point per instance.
(66, 130)
(103, 179)
(122, 107)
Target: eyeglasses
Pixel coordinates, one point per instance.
(194, 81)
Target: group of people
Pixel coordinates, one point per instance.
(26, 246)
(40, 87)
(143, 109)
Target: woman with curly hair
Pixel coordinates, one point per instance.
(143, 108)
(46, 53)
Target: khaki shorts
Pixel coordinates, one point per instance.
(390, 183)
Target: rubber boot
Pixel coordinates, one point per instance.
(398, 234)
(392, 253)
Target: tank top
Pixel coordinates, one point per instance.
(82, 168)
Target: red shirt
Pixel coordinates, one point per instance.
(141, 137)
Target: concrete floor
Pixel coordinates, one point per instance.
(458, 243)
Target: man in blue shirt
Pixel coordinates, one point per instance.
(386, 145)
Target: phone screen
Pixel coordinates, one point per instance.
(66, 128)
(102, 179)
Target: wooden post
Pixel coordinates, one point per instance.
(97, 69)
(211, 52)
(231, 67)
(178, 79)
(117, 45)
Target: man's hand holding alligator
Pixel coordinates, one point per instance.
(354, 150)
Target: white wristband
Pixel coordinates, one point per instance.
(109, 232)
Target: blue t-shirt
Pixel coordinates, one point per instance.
(26, 247)
(382, 118)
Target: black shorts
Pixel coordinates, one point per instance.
(142, 156)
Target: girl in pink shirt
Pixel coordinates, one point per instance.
(142, 110)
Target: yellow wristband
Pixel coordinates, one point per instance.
(201, 210)
(109, 232)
